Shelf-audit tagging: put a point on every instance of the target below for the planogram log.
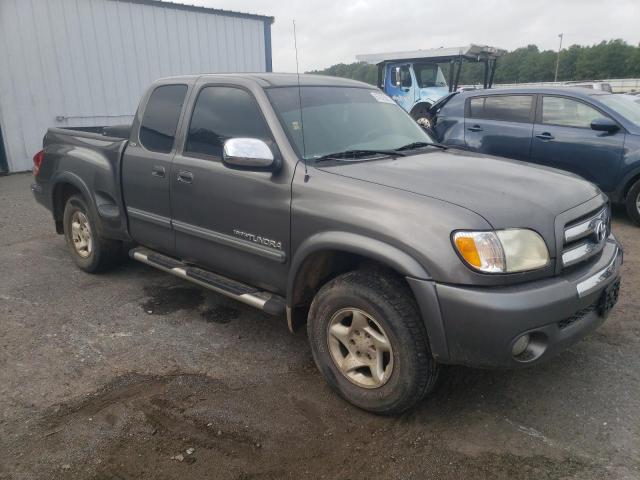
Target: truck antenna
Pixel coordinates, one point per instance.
(304, 148)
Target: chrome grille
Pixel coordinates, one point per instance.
(585, 237)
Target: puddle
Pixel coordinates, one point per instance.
(165, 300)
(220, 314)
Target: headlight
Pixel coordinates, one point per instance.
(502, 251)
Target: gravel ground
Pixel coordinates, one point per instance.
(135, 374)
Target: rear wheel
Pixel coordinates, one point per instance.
(633, 202)
(89, 251)
(369, 342)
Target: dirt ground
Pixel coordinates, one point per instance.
(135, 374)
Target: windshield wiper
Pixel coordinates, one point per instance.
(358, 154)
(414, 145)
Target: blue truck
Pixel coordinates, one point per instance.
(415, 79)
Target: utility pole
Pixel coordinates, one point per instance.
(558, 60)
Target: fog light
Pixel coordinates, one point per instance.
(521, 345)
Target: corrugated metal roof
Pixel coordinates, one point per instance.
(197, 8)
(471, 51)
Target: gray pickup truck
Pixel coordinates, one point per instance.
(324, 202)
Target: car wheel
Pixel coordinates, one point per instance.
(369, 342)
(89, 251)
(633, 202)
(423, 118)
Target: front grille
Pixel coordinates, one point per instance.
(585, 237)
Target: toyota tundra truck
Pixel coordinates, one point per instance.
(320, 200)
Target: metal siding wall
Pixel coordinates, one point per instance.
(91, 60)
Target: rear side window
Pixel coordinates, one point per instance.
(221, 113)
(160, 120)
(508, 108)
(567, 112)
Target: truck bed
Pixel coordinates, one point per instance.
(87, 160)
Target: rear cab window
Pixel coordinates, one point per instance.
(507, 108)
(160, 119)
(221, 113)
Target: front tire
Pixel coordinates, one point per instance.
(633, 202)
(423, 118)
(369, 342)
(89, 251)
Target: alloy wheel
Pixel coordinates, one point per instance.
(360, 348)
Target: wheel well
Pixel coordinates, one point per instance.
(418, 106)
(318, 269)
(61, 193)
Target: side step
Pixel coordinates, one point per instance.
(265, 301)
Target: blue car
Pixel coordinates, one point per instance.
(591, 133)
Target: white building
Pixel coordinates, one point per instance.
(87, 62)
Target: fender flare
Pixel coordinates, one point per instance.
(74, 180)
(358, 244)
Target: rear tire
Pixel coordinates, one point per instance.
(89, 251)
(633, 202)
(369, 342)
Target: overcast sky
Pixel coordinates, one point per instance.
(334, 31)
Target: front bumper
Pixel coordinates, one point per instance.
(481, 325)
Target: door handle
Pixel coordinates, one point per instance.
(475, 128)
(158, 171)
(185, 176)
(545, 136)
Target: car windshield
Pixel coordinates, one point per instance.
(343, 119)
(624, 105)
(429, 75)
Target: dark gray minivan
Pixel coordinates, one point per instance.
(592, 133)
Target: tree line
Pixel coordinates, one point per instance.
(607, 59)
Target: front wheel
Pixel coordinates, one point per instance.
(369, 342)
(423, 118)
(633, 202)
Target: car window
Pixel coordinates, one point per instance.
(405, 76)
(567, 112)
(160, 119)
(626, 105)
(508, 108)
(221, 113)
(429, 75)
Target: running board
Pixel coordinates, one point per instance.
(265, 301)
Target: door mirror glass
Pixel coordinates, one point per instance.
(248, 154)
(604, 124)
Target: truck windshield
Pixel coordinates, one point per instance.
(340, 119)
(429, 75)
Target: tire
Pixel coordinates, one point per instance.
(387, 305)
(633, 202)
(98, 254)
(423, 118)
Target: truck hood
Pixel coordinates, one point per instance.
(507, 193)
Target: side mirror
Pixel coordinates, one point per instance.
(604, 124)
(395, 76)
(248, 154)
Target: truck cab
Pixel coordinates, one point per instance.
(415, 79)
(414, 83)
